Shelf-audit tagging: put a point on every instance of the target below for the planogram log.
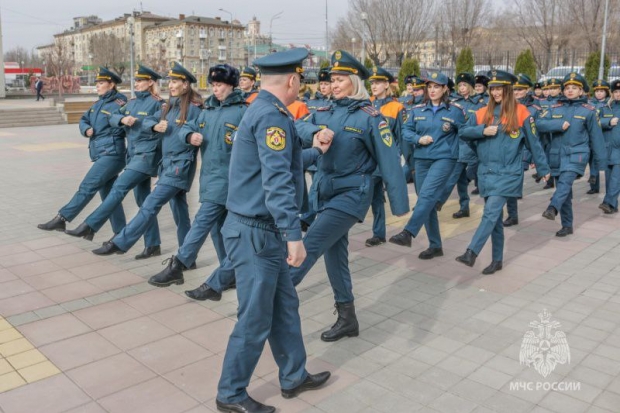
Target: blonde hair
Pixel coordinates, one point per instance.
(470, 89)
(154, 89)
(359, 90)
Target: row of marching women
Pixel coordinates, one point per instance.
(255, 147)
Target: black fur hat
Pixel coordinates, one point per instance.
(224, 74)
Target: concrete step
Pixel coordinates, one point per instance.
(23, 117)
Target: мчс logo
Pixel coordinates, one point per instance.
(542, 347)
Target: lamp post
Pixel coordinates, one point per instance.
(364, 17)
(230, 36)
(353, 39)
(131, 21)
(90, 71)
(601, 67)
(274, 17)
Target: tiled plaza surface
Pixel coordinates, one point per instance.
(81, 333)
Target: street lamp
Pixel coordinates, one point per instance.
(364, 17)
(274, 17)
(230, 35)
(353, 46)
(90, 71)
(601, 66)
(131, 21)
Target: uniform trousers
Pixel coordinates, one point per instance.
(612, 185)
(268, 308)
(378, 207)
(209, 219)
(141, 185)
(563, 197)
(458, 178)
(99, 178)
(431, 176)
(596, 186)
(512, 208)
(148, 212)
(491, 225)
(329, 235)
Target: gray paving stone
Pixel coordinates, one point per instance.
(502, 402)
(76, 305)
(489, 377)
(51, 311)
(561, 403)
(608, 400)
(24, 318)
(450, 403)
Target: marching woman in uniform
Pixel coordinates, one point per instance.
(521, 90)
(177, 169)
(394, 113)
(575, 129)
(143, 156)
(415, 95)
(247, 84)
(499, 133)
(213, 132)
(341, 191)
(610, 114)
(600, 99)
(470, 102)
(106, 145)
(432, 128)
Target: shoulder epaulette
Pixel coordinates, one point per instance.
(157, 98)
(589, 106)
(370, 110)
(457, 105)
(199, 104)
(556, 105)
(420, 105)
(323, 108)
(133, 98)
(536, 106)
(281, 110)
(120, 102)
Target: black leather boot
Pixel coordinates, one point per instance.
(172, 274)
(204, 292)
(108, 248)
(469, 258)
(346, 324)
(402, 238)
(312, 382)
(83, 231)
(493, 267)
(149, 252)
(550, 213)
(58, 223)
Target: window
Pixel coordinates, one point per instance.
(211, 31)
(221, 33)
(222, 54)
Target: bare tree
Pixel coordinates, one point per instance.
(458, 20)
(19, 54)
(110, 51)
(59, 62)
(156, 57)
(391, 29)
(588, 16)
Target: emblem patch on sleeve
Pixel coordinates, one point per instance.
(386, 136)
(515, 134)
(276, 138)
(533, 126)
(228, 137)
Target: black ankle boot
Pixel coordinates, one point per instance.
(469, 258)
(149, 252)
(83, 231)
(172, 274)
(58, 223)
(346, 324)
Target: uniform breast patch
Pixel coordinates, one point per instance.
(275, 138)
(580, 117)
(354, 130)
(557, 116)
(228, 137)
(231, 126)
(446, 126)
(143, 113)
(514, 134)
(416, 118)
(533, 126)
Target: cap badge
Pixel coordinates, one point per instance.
(434, 76)
(338, 55)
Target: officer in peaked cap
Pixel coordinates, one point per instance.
(394, 112)
(601, 92)
(576, 132)
(363, 142)
(521, 90)
(179, 72)
(470, 101)
(610, 114)
(433, 127)
(107, 152)
(267, 157)
(345, 64)
(415, 92)
(143, 157)
(247, 83)
(538, 89)
(106, 74)
(146, 73)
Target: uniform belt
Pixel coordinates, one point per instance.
(262, 223)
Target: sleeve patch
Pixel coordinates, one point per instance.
(533, 126)
(386, 134)
(275, 138)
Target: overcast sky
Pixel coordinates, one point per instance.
(30, 23)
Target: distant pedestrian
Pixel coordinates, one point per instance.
(38, 85)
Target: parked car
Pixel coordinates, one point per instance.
(613, 74)
(486, 68)
(561, 71)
